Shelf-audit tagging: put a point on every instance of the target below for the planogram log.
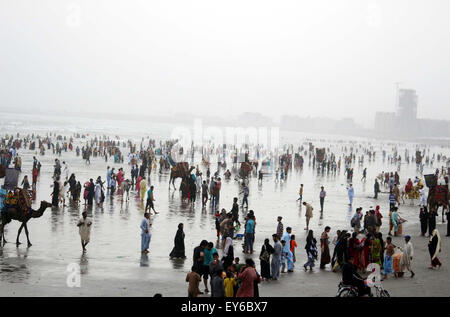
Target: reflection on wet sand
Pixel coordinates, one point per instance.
(144, 260)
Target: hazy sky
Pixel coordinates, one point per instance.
(335, 58)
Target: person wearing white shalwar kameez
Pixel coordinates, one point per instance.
(145, 233)
(408, 253)
(423, 197)
(98, 193)
(84, 228)
(276, 258)
(351, 194)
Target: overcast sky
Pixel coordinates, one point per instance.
(335, 58)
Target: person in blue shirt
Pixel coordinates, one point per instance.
(207, 259)
(145, 233)
(286, 248)
(249, 234)
(391, 200)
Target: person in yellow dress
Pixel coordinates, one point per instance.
(229, 283)
(143, 188)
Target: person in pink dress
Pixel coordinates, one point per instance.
(248, 276)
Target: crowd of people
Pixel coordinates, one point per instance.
(349, 252)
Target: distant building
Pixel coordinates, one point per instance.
(404, 122)
(407, 104)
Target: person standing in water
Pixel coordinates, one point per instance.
(351, 194)
(150, 200)
(55, 193)
(84, 227)
(376, 189)
(145, 233)
(276, 257)
(322, 195)
(178, 249)
(407, 256)
(308, 214)
(300, 193)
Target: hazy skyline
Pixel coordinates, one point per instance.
(316, 58)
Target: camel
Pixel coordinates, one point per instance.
(438, 196)
(15, 213)
(179, 171)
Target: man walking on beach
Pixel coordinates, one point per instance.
(145, 233)
(276, 257)
(84, 227)
(308, 213)
(351, 194)
(150, 200)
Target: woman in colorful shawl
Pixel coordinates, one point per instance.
(354, 250)
(395, 219)
(138, 184)
(324, 249)
(434, 247)
(375, 250)
(120, 177)
(364, 254)
(178, 249)
(247, 277)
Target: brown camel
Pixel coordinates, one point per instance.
(15, 213)
(180, 170)
(438, 196)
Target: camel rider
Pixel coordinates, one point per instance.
(409, 186)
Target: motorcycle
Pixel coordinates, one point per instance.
(352, 291)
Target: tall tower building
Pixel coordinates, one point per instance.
(407, 123)
(407, 104)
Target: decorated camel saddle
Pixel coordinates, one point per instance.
(181, 167)
(18, 198)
